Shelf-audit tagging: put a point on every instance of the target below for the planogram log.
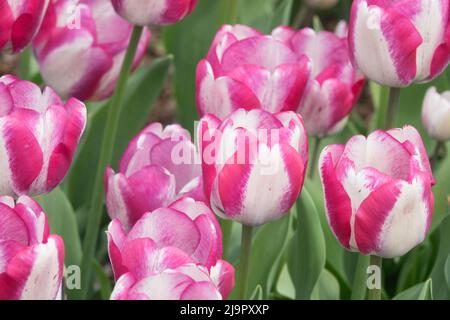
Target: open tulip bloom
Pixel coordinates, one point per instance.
(377, 189)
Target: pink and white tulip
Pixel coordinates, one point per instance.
(254, 164)
(81, 46)
(168, 273)
(378, 194)
(186, 224)
(334, 86)
(154, 12)
(39, 135)
(19, 22)
(159, 166)
(397, 43)
(31, 260)
(436, 114)
(247, 69)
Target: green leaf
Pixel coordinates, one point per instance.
(421, 291)
(282, 15)
(307, 251)
(62, 221)
(257, 294)
(104, 281)
(142, 90)
(268, 247)
(441, 289)
(447, 271)
(327, 288)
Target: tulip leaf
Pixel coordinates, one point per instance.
(440, 289)
(257, 293)
(142, 90)
(447, 271)
(63, 222)
(282, 15)
(421, 291)
(307, 253)
(327, 288)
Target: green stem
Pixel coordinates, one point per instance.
(25, 64)
(315, 157)
(227, 229)
(391, 115)
(375, 294)
(359, 280)
(244, 264)
(439, 150)
(106, 151)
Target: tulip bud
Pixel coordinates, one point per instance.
(39, 136)
(81, 46)
(322, 4)
(334, 86)
(167, 273)
(159, 166)
(186, 224)
(436, 114)
(377, 189)
(31, 260)
(246, 69)
(153, 12)
(254, 164)
(19, 22)
(397, 43)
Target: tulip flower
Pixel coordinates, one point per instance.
(334, 86)
(159, 166)
(246, 69)
(39, 136)
(377, 189)
(397, 43)
(81, 46)
(186, 224)
(19, 22)
(254, 164)
(31, 260)
(153, 12)
(321, 4)
(436, 114)
(168, 273)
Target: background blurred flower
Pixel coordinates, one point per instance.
(334, 86)
(253, 164)
(159, 166)
(186, 224)
(396, 43)
(19, 22)
(39, 136)
(246, 69)
(436, 114)
(168, 273)
(153, 12)
(31, 260)
(378, 192)
(81, 46)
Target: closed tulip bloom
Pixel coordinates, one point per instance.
(39, 136)
(31, 260)
(168, 273)
(159, 166)
(436, 114)
(334, 86)
(19, 22)
(250, 70)
(397, 43)
(322, 4)
(186, 224)
(254, 164)
(377, 189)
(154, 12)
(81, 46)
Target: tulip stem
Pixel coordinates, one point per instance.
(315, 157)
(106, 151)
(375, 293)
(391, 115)
(244, 264)
(359, 280)
(438, 154)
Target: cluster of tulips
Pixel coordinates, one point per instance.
(259, 97)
